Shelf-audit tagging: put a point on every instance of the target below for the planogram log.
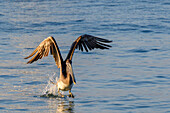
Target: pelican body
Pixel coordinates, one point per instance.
(67, 78)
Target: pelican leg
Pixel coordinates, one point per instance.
(71, 94)
(59, 93)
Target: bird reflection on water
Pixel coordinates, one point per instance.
(60, 105)
(65, 106)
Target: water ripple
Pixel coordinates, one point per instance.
(1, 15)
(34, 83)
(55, 23)
(8, 76)
(2, 108)
(143, 83)
(143, 50)
(160, 76)
(146, 31)
(21, 110)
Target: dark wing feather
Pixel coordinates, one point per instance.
(88, 42)
(49, 44)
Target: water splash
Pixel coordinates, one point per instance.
(51, 88)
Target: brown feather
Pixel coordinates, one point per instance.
(31, 54)
(43, 49)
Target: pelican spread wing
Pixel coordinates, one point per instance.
(88, 42)
(67, 78)
(49, 44)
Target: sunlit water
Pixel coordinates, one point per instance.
(133, 76)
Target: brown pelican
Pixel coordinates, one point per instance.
(67, 78)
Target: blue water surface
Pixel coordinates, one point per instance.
(132, 77)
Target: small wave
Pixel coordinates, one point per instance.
(81, 20)
(7, 76)
(29, 48)
(33, 83)
(2, 107)
(142, 50)
(5, 38)
(162, 77)
(21, 110)
(42, 64)
(154, 49)
(4, 44)
(139, 50)
(146, 31)
(55, 23)
(1, 15)
(37, 25)
(166, 3)
(143, 83)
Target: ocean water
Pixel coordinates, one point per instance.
(131, 77)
